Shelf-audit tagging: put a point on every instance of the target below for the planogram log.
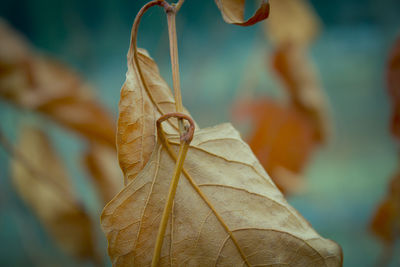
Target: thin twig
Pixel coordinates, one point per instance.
(171, 11)
(179, 5)
(183, 148)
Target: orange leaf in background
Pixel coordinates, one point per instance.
(42, 182)
(281, 138)
(386, 221)
(32, 81)
(102, 164)
(393, 77)
(285, 135)
(305, 92)
(233, 12)
(292, 26)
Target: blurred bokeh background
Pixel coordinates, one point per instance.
(345, 179)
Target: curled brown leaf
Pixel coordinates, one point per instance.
(233, 12)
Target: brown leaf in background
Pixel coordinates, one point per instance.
(281, 137)
(292, 26)
(393, 78)
(102, 164)
(267, 229)
(233, 12)
(386, 221)
(44, 186)
(38, 83)
(284, 135)
(293, 21)
(299, 76)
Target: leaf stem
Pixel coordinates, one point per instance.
(173, 44)
(168, 205)
(186, 138)
(171, 11)
(179, 5)
(164, 141)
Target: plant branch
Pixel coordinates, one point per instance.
(186, 138)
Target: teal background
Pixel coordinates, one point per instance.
(346, 179)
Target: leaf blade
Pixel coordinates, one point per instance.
(241, 208)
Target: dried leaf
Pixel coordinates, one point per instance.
(300, 79)
(39, 83)
(393, 77)
(142, 102)
(102, 164)
(386, 221)
(281, 138)
(230, 176)
(292, 21)
(44, 186)
(233, 12)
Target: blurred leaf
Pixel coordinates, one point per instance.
(281, 138)
(224, 169)
(44, 186)
(386, 221)
(38, 83)
(393, 77)
(292, 21)
(305, 92)
(233, 12)
(102, 164)
(284, 135)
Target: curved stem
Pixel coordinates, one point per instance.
(183, 148)
(133, 53)
(133, 47)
